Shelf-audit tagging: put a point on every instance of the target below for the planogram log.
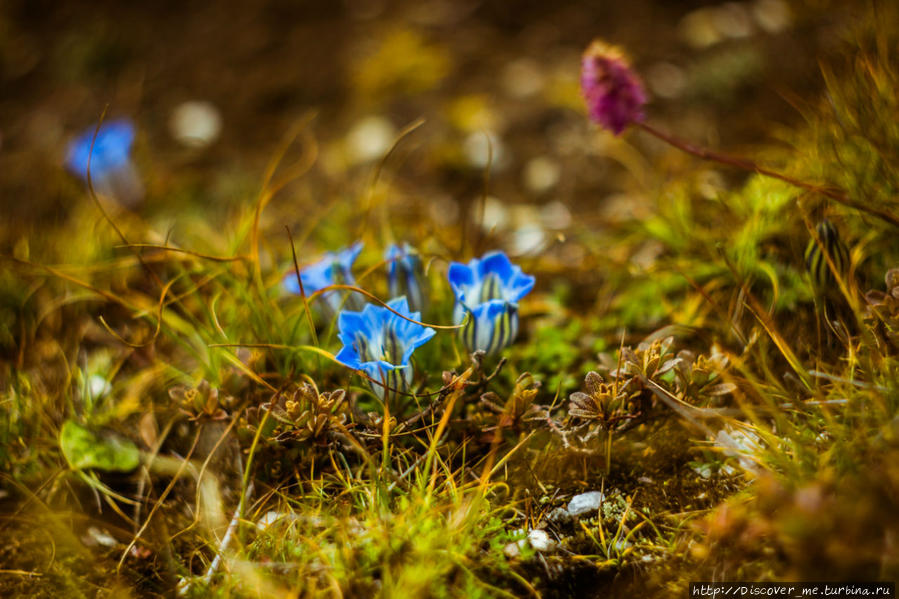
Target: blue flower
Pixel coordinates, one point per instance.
(111, 150)
(112, 172)
(336, 268)
(380, 343)
(488, 289)
(407, 276)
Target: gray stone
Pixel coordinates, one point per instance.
(539, 540)
(585, 503)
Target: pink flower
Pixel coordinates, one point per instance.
(613, 93)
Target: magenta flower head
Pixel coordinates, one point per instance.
(613, 93)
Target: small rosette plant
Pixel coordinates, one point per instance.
(336, 268)
(487, 292)
(380, 343)
(106, 153)
(406, 275)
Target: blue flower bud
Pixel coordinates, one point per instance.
(407, 276)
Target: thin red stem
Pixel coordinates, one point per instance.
(745, 164)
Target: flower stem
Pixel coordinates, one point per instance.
(839, 196)
(608, 452)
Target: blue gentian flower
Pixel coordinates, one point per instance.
(488, 289)
(407, 276)
(380, 343)
(112, 172)
(336, 268)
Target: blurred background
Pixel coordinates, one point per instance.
(213, 89)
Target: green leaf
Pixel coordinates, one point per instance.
(84, 448)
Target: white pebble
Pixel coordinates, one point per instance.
(539, 540)
(512, 550)
(585, 503)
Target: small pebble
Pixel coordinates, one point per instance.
(539, 540)
(96, 536)
(512, 550)
(585, 503)
(703, 470)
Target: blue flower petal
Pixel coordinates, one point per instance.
(461, 277)
(406, 275)
(520, 285)
(496, 262)
(349, 357)
(346, 257)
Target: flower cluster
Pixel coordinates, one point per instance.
(379, 340)
(613, 93)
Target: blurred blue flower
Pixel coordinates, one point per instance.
(380, 343)
(488, 289)
(407, 276)
(111, 150)
(112, 172)
(336, 268)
